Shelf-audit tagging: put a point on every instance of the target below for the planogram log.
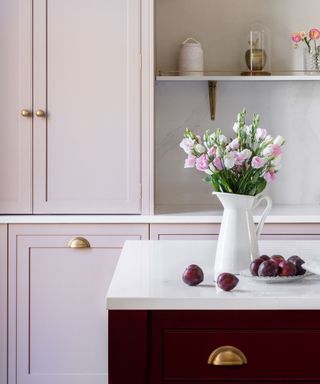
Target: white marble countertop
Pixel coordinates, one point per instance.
(148, 276)
(169, 215)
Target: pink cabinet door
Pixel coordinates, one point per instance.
(15, 95)
(3, 303)
(57, 296)
(87, 84)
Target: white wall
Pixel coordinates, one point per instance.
(291, 109)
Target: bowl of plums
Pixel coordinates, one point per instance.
(276, 269)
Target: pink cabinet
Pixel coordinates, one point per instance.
(75, 67)
(15, 96)
(3, 303)
(57, 331)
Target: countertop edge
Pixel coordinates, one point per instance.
(145, 219)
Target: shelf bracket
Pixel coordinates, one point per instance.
(212, 98)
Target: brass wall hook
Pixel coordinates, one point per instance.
(212, 98)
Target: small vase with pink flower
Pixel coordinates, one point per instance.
(311, 49)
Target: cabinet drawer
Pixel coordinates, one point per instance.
(281, 355)
(278, 345)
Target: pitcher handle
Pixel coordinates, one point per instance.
(265, 213)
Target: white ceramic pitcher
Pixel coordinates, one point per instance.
(238, 239)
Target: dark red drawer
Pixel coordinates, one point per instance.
(280, 346)
(270, 354)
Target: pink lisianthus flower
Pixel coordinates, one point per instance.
(296, 38)
(187, 145)
(239, 158)
(261, 133)
(276, 149)
(212, 151)
(217, 163)
(269, 176)
(272, 150)
(234, 144)
(314, 34)
(190, 161)
(257, 162)
(202, 163)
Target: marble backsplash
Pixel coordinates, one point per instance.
(287, 108)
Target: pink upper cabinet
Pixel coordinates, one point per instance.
(87, 83)
(74, 67)
(15, 96)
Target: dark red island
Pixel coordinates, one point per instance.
(163, 331)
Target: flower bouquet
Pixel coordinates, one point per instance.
(238, 170)
(241, 165)
(313, 35)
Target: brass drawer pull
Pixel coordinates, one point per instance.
(40, 113)
(79, 242)
(26, 113)
(227, 355)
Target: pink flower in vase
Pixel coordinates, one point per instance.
(296, 38)
(314, 34)
(257, 162)
(217, 163)
(212, 151)
(276, 149)
(202, 163)
(190, 161)
(269, 176)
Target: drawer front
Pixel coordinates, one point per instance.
(278, 345)
(270, 354)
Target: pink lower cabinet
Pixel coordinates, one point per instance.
(57, 329)
(3, 303)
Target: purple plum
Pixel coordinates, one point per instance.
(297, 261)
(193, 275)
(287, 268)
(268, 268)
(227, 281)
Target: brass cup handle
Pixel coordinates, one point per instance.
(26, 113)
(227, 355)
(40, 113)
(79, 242)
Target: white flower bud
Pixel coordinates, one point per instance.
(223, 140)
(199, 148)
(236, 127)
(228, 160)
(279, 140)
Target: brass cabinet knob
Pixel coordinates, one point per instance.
(40, 113)
(79, 242)
(26, 113)
(227, 355)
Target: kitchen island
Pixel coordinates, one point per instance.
(163, 331)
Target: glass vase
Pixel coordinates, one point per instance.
(311, 59)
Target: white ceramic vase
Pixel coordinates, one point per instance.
(238, 238)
